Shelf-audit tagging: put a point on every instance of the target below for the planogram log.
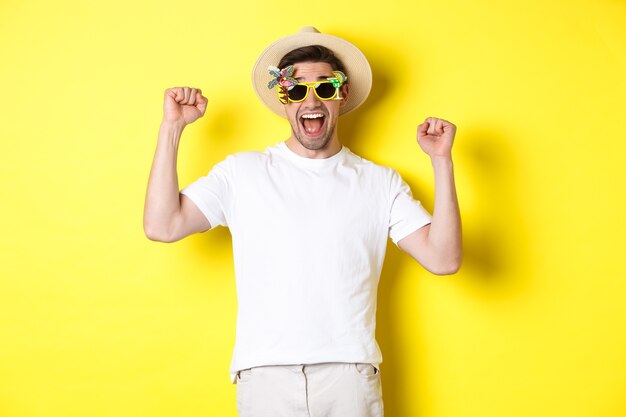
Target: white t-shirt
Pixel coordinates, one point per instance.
(309, 238)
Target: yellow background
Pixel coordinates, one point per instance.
(96, 320)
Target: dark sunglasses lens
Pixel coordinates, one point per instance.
(325, 90)
(298, 92)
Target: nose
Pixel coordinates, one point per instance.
(311, 99)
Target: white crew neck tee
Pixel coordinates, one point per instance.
(309, 238)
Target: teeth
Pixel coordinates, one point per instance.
(312, 115)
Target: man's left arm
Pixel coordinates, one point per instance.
(438, 246)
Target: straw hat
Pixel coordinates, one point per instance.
(357, 68)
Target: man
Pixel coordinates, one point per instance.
(309, 221)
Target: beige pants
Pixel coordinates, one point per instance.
(317, 390)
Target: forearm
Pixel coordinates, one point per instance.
(444, 237)
(162, 197)
(438, 246)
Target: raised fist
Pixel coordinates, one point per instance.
(435, 136)
(183, 105)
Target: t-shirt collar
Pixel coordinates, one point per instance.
(311, 162)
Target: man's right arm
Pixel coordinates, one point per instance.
(168, 215)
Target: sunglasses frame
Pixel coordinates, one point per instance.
(283, 93)
(313, 85)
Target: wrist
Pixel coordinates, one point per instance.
(170, 133)
(442, 164)
(174, 125)
(439, 159)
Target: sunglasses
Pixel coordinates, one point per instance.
(324, 90)
(298, 92)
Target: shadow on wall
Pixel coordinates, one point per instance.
(495, 245)
(352, 125)
(496, 236)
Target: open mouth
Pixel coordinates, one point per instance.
(312, 123)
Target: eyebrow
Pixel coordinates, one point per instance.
(320, 78)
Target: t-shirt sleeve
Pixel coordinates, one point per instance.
(406, 214)
(212, 193)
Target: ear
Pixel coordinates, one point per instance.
(345, 92)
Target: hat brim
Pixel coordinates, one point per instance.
(357, 68)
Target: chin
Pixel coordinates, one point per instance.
(313, 144)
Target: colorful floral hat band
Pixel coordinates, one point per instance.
(282, 77)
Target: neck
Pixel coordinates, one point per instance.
(332, 147)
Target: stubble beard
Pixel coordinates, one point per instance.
(317, 144)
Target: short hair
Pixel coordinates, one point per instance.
(312, 53)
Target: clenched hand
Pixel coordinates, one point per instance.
(435, 137)
(183, 105)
